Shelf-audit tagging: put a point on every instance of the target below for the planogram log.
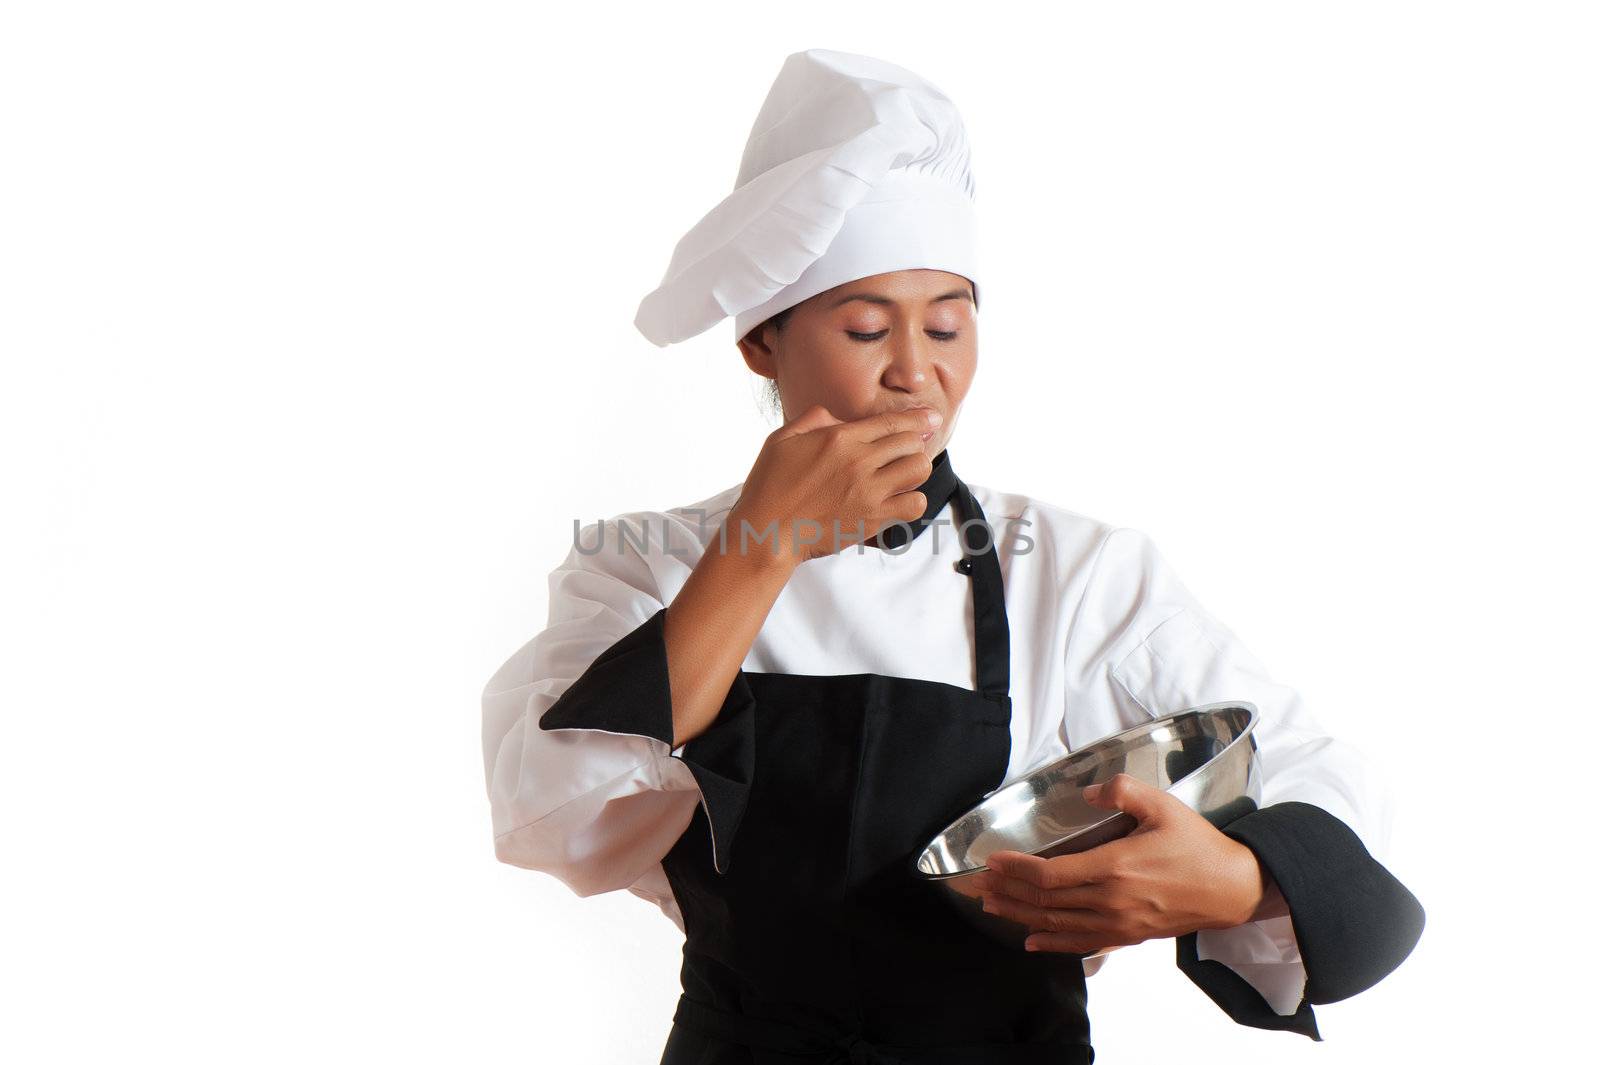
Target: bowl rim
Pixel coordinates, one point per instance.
(1144, 726)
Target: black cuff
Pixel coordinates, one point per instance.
(626, 690)
(1237, 997)
(1354, 922)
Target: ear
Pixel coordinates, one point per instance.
(757, 351)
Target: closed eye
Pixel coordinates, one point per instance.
(867, 338)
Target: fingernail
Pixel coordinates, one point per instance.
(1030, 945)
(934, 417)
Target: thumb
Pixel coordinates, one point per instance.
(1127, 793)
(814, 417)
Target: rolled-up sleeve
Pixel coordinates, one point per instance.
(583, 780)
(1148, 649)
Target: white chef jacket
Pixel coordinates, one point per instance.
(1104, 636)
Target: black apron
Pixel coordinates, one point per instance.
(818, 944)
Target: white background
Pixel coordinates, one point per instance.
(318, 337)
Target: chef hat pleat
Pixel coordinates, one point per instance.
(854, 167)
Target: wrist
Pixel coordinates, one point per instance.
(1272, 904)
(756, 545)
(753, 549)
(1254, 888)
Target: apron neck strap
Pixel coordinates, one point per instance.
(981, 562)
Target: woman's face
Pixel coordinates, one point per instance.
(908, 338)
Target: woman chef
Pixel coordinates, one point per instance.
(754, 710)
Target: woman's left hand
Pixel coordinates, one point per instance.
(1174, 874)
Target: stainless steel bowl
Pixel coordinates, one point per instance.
(1206, 756)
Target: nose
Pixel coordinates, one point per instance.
(910, 366)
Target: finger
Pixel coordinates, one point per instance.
(903, 474)
(1018, 870)
(1048, 918)
(1064, 943)
(901, 507)
(816, 416)
(1144, 802)
(1076, 896)
(1096, 897)
(886, 450)
(917, 420)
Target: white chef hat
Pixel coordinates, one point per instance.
(854, 167)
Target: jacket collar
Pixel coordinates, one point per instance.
(939, 488)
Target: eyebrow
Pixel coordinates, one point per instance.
(953, 294)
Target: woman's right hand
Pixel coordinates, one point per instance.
(816, 471)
